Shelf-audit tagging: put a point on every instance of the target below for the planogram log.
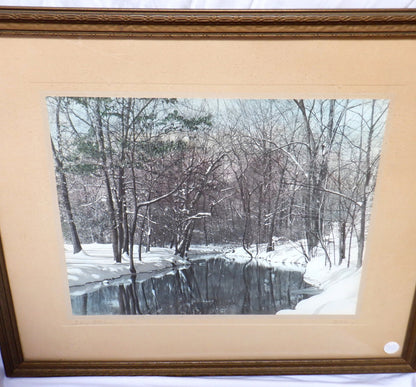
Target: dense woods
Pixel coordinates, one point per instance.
(140, 172)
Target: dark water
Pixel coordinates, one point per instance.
(213, 286)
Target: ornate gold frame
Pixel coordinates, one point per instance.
(182, 24)
(125, 23)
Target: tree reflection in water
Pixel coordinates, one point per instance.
(213, 286)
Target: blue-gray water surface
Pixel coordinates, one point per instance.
(206, 286)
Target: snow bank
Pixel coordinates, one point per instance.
(285, 256)
(339, 296)
(95, 263)
(339, 284)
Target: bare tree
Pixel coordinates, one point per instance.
(60, 170)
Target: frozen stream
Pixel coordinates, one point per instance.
(212, 285)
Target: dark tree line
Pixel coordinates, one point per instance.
(171, 172)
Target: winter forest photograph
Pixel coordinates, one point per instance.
(174, 206)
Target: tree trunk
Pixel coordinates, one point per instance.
(126, 245)
(121, 209)
(132, 232)
(361, 235)
(189, 238)
(204, 224)
(110, 203)
(67, 203)
(64, 188)
(270, 244)
(365, 193)
(342, 241)
(183, 245)
(259, 219)
(140, 245)
(149, 229)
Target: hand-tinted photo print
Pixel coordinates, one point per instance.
(215, 206)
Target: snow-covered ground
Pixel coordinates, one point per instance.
(285, 256)
(339, 295)
(339, 285)
(95, 263)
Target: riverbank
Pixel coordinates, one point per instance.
(95, 263)
(339, 285)
(339, 295)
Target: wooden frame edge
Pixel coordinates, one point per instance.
(212, 368)
(128, 23)
(10, 345)
(409, 346)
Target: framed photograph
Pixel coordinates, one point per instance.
(207, 192)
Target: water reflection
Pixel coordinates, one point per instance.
(213, 286)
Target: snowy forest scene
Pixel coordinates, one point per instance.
(215, 206)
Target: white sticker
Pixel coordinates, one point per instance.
(391, 347)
